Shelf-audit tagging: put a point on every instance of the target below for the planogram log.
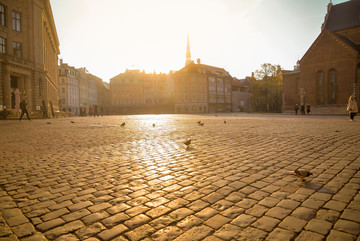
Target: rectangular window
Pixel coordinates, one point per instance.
(17, 49)
(2, 15)
(2, 45)
(16, 21)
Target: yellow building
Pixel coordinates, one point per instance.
(127, 89)
(29, 49)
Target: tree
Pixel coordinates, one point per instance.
(267, 87)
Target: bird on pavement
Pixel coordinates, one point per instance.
(201, 124)
(188, 142)
(153, 125)
(123, 124)
(224, 121)
(301, 174)
(48, 122)
(198, 122)
(72, 121)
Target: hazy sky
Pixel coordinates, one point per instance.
(109, 36)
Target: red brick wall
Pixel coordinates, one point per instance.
(327, 52)
(291, 96)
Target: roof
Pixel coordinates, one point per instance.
(343, 16)
(192, 67)
(336, 36)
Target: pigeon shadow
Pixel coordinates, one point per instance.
(319, 188)
(189, 148)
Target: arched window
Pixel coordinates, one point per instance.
(320, 88)
(332, 86)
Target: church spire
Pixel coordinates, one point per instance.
(188, 54)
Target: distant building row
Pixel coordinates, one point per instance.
(79, 90)
(196, 88)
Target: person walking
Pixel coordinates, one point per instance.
(302, 108)
(308, 109)
(96, 110)
(23, 108)
(296, 108)
(352, 107)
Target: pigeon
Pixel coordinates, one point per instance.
(301, 174)
(153, 125)
(224, 121)
(198, 122)
(188, 142)
(123, 124)
(202, 124)
(72, 121)
(48, 122)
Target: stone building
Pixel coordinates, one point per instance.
(69, 95)
(78, 90)
(328, 73)
(202, 88)
(127, 90)
(29, 49)
(139, 92)
(241, 97)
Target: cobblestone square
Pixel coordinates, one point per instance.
(92, 179)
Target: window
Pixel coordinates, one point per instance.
(332, 87)
(17, 49)
(16, 21)
(2, 45)
(2, 15)
(320, 88)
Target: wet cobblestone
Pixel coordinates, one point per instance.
(95, 180)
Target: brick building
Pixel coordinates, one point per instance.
(29, 49)
(328, 73)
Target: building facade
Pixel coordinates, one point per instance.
(241, 97)
(328, 73)
(138, 92)
(202, 88)
(69, 94)
(127, 90)
(29, 49)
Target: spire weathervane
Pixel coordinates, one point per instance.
(188, 54)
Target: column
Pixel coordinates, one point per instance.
(28, 91)
(7, 91)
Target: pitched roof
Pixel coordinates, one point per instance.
(192, 67)
(336, 36)
(344, 15)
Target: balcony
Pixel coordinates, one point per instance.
(18, 61)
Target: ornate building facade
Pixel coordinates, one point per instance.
(69, 96)
(29, 49)
(328, 73)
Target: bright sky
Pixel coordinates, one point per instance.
(109, 36)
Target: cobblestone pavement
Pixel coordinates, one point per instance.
(95, 180)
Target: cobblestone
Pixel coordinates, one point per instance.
(96, 181)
